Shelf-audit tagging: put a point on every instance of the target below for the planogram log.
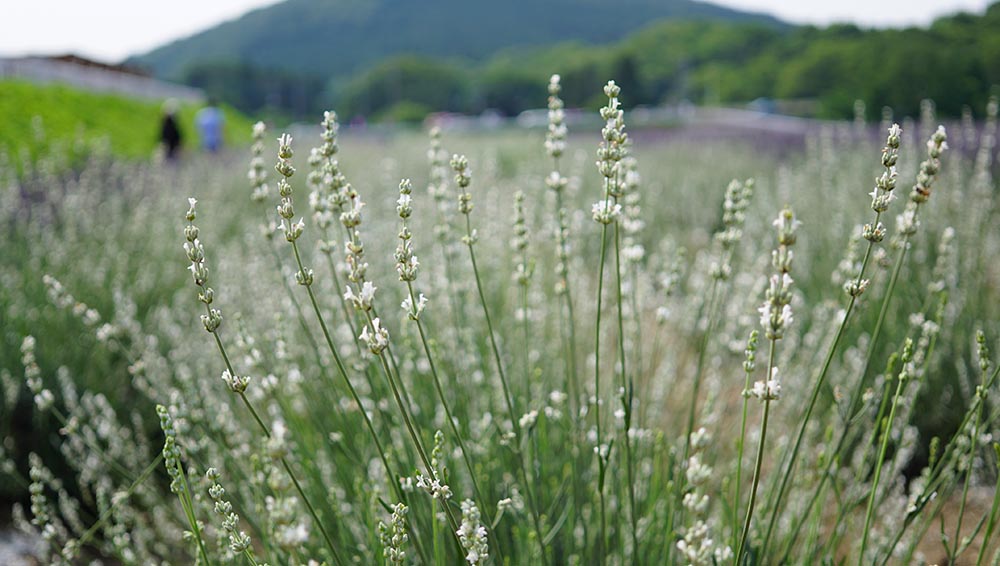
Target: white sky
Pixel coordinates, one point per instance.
(111, 30)
(868, 13)
(108, 30)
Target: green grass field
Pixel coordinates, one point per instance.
(37, 117)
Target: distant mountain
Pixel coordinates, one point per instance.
(335, 38)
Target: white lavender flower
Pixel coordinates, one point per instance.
(393, 536)
(929, 168)
(472, 535)
(375, 336)
(776, 312)
(236, 383)
(257, 173)
(769, 390)
(528, 419)
(414, 311)
(363, 299)
(555, 138)
(239, 541)
(434, 486)
(606, 212)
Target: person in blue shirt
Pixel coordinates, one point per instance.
(209, 121)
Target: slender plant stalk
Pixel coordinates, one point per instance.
(338, 288)
(748, 367)
(305, 278)
(992, 521)
(299, 315)
(567, 331)
(342, 369)
(984, 364)
(451, 423)
(965, 492)
(601, 458)
(857, 393)
(572, 379)
(515, 422)
(404, 410)
(526, 340)
(937, 477)
(739, 461)
(92, 530)
(786, 473)
(758, 463)
(284, 463)
(680, 483)
(700, 367)
(188, 506)
(881, 197)
(626, 398)
(828, 472)
(886, 434)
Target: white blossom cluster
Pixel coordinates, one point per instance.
(882, 194)
(393, 536)
(472, 535)
(239, 541)
(698, 547)
(258, 173)
(776, 312)
(555, 137)
(199, 272)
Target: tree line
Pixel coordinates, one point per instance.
(955, 61)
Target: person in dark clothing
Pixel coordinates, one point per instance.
(170, 132)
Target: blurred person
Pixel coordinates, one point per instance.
(170, 131)
(209, 121)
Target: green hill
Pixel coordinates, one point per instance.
(400, 59)
(332, 38)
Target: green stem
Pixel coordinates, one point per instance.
(417, 442)
(937, 476)
(284, 463)
(601, 458)
(339, 290)
(572, 381)
(786, 474)
(991, 523)
(857, 393)
(486, 509)
(493, 342)
(700, 368)
(626, 398)
(887, 432)
(515, 423)
(86, 536)
(567, 330)
(758, 463)
(295, 303)
(739, 456)
(968, 476)
(188, 506)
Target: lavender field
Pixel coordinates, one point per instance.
(725, 344)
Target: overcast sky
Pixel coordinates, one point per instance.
(111, 30)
